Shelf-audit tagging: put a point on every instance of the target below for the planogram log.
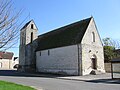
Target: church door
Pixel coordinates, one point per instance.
(94, 63)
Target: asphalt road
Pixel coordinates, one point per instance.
(51, 83)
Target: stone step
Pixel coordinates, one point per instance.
(95, 72)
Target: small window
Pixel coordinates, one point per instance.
(22, 38)
(31, 37)
(48, 52)
(0, 64)
(93, 37)
(40, 53)
(32, 26)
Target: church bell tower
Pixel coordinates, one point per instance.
(28, 36)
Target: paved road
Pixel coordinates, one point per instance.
(51, 83)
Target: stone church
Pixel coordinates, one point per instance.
(75, 49)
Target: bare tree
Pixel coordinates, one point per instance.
(9, 26)
(115, 43)
(111, 42)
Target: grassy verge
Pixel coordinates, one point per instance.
(12, 86)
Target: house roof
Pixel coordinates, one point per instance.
(116, 60)
(68, 35)
(6, 55)
(118, 51)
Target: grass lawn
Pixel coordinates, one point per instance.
(12, 86)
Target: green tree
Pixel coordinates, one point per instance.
(110, 47)
(109, 53)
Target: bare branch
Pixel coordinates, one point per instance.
(111, 42)
(9, 24)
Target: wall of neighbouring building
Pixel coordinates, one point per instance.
(5, 64)
(108, 67)
(8, 64)
(116, 67)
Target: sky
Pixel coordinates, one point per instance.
(51, 14)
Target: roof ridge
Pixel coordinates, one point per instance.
(65, 26)
(64, 36)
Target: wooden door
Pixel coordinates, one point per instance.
(94, 63)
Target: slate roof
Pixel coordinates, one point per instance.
(26, 25)
(6, 55)
(68, 35)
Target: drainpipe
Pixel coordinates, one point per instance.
(78, 60)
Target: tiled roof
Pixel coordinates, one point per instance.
(6, 55)
(64, 36)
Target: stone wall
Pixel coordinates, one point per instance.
(63, 60)
(30, 57)
(116, 67)
(92, 47)
(28, 45)
(108, 67)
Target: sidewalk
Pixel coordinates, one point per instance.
(77, 78)
(87, 77)
(100, 77)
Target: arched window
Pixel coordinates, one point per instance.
(93, 37)
(31, 36)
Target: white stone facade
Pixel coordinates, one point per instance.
(63, 60)
(77, 59)
(92, 48)
(66, 59)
